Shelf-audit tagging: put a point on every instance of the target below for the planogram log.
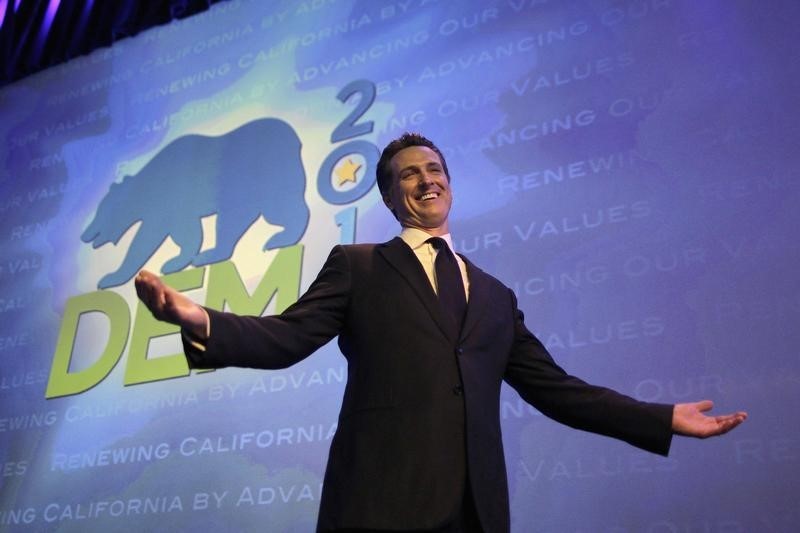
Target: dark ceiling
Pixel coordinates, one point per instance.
(36, 34)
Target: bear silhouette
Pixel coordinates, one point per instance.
(255, 170)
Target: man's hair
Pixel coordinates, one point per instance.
(406, 140)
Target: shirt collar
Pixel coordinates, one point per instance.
(415, 238)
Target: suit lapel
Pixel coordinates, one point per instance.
(478, 297)
(398, 254)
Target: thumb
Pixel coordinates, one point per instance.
(186, 313)
(177, 306)
(704, 405)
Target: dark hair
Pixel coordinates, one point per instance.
(406, 140)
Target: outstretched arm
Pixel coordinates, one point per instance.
(215, 339)
(688, 419)
(533, 373)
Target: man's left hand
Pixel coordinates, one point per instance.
(689, 419)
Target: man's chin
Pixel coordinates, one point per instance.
(436, 224)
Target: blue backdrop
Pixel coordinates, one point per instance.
(627, 167)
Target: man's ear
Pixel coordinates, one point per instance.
(388, 203)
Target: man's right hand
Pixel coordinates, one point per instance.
(169, 305)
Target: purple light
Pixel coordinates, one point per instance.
(16, 5)
(3, 5)
(49, 15)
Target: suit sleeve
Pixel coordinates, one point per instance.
(533, 373)
(279, 341)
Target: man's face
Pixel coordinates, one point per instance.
(420, 194)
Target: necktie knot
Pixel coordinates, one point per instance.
(438, 243)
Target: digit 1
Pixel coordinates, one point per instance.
(346, 219)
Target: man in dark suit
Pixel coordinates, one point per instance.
(429, 338)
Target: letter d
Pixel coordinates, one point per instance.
(62, 382)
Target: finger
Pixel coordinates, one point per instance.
(144, 283)
(151, 291)
(170, 305)
(728, 425)
(144, 290)
(139, 283)
(739, 414)
(704, 405)
(728, 422)
(736, 418)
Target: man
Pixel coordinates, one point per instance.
(429, 338)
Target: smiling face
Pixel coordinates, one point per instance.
(420, 195)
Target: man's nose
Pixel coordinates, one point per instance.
(425, 178)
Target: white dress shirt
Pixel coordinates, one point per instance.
(426, 253)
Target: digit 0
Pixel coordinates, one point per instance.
(365, 149)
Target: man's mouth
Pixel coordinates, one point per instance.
(429, 196)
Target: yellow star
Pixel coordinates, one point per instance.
(347, 171)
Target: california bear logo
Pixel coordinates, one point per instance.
(255, 170)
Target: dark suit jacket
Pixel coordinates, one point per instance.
(421, 404)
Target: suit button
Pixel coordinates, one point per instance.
(459, 351)
(457, 390)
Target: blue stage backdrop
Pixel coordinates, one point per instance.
(628, 167)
